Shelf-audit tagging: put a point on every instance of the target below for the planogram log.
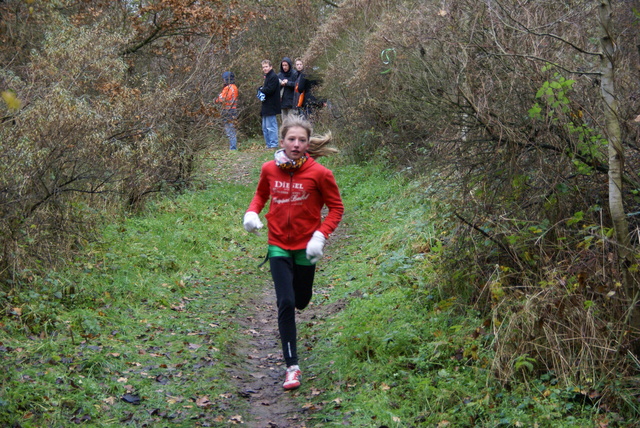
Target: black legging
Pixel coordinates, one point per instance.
(294, 286)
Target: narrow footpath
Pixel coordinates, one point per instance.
(260, 373)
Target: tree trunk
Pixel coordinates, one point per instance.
(616, 162)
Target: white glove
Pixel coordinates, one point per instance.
(252, 222)
(315, 246)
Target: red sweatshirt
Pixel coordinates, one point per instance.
(297, 199)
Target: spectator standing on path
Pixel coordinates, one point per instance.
(300, 87)
(299, 187)
(302, 96)
(229, 100)
(270, 105)
(287, 78)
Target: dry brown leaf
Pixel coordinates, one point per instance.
(179, 307)
(203, 401)
(237, 419)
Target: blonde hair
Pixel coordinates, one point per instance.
(317, 143)
(266, 61)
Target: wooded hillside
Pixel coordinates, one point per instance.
(521, 118)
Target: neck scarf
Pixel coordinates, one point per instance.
(286, 164)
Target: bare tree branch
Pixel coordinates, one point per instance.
(553, 36)
(330, 3)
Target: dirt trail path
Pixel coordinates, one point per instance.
(260, 373)
(259, 377)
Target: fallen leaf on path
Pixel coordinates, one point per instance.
(237, 419)
(311, 407)
(174, 400)
(203, 401)
(179, 307)
(131, 399)
(110, 400)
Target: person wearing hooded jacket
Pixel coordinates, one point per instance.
(288, 76)
(229, 100)
(299, 188)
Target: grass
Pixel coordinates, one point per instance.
(139, 331)
(402, 353)
(149, 311)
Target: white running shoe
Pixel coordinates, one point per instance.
(292, 381)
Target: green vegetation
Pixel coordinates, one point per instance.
(491, 176)
(150, 311)
(404, 353)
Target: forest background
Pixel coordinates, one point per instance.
(520, 118)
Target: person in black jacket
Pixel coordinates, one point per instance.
(300, 88)
(303, 99)
(270, 105)
(287, 78)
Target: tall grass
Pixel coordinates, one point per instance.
(406, 350)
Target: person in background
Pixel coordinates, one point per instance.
(287, 78)
(299, 188)
(300, 88)
(270, 104)
(229, 100)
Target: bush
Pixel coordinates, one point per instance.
(506, 124)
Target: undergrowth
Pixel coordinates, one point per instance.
(139, 331)
(405, 352)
